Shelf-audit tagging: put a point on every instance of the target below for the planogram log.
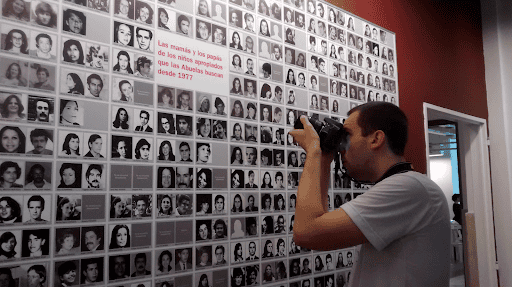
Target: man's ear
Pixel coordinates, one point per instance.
(378, 139)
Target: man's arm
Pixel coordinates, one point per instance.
(314, 226)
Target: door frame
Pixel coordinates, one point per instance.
(476, 186)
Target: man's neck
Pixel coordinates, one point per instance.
(382, 165)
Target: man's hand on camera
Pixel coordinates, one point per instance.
(309, 140)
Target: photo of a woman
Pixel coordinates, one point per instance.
(125, 91)
(120, 237)
(71, 145)
(12, 108)
(73, 52)
(142, 149)
(121, 119)
(8, 243)
(236, 88)
(237, 156)
(164, 263)
(123, 34)
(11, 210)
(236, 41)
(67, 210)
(165, 152)
(10, 172)
(69, 112)
(17, 10)
(165, 98)
(165, 207)
(123, 63)
(13, 76)
(118, 208)
(70, 175)
(16, 42)
(74, 84)
(163, 18)
(12, 139)
(45, 15)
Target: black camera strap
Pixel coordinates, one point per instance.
(400, 167)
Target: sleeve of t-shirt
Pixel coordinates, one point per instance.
(396, 206)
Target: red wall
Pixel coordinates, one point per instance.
(439, 58)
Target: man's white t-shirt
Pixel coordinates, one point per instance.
(406, 220)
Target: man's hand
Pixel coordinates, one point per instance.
(307, 138)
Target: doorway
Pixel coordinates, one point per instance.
(444, 170)
(459, 145)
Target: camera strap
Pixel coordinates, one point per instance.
(400, 167)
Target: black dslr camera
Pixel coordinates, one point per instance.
(333, 137)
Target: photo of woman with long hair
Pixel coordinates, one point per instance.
(16, 42)
(121, 119)
(120, 237)
(14, 76)
(73, 52)
(71, 145)
(123, 64)
(74, 84)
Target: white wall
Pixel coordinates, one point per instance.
(497, 40)
(441, 174)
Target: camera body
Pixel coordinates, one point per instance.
(333, 137)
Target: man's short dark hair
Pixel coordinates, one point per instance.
(39, 133)
(220, 247)
(267, 68)
(41, 69)
(140, 255)
(143, 29)
(182, 144)
(43, 35)
(218, 196)
(94, 166)
(40, 270)
(144, 112)
(36, 198)
(279, 174)
(93, 138)
(182, 18)
(65, 268)
(251, 172)
(94, 76)
(218, 101)
(183, 197)
(387, 117)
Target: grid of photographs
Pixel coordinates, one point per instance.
(111, 177)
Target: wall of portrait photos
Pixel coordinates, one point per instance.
(145, 143)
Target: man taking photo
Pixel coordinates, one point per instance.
(402, 222)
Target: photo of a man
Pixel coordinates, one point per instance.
(39, 139)
(184, 262)
(144, 38)
(184, 177)
(35, 243)
(93, 176)
(183, 205)
(144, 122)
(119, 265)
(140, 262)
(35, 205)
(40, 109)
(36, 276)
(43, 77)
(95, 144)
(94, 86)
(92, 238)
(92, 270)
